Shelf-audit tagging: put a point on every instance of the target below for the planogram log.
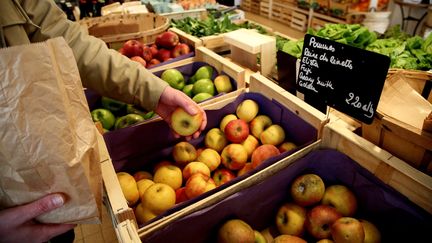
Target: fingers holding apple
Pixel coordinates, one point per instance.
(185, 124)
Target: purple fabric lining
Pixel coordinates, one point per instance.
(398, 219)
(140, 147)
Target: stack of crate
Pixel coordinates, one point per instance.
(245, 5)
(265, 8)
(281, 11)
(255, 6)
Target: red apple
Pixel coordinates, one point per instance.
(121, 51)
(153, 62)
(262, 153)
(246, 168)
(167, 40)
(139, 59)
(319, 220)
(180, 49)
(132, 48)
(163, 55)
(198, 184)
(236, 131)
(154, 49)
(181, 195)
(222, 175)
(147, 53)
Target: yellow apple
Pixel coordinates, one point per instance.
(185, 124)
(215, 139)
(143, 184)
(247, 110)
(129, 187)
(347, 230)
(307, 189)
(341, 198)
(246, 168)
(288, 239)
(158, 198)
(269, 233)
(210, 157)
(290, 219)
(259, 124)
(183, 153)
(226, 119)
(223, 84)
(286, 146)
(259, 238)
(170, 175)
(235, 230)
(325, 241)
(372, 233)
(143, 214)
(234, 156)
(273, 135)
(195, 167)
(250, 144)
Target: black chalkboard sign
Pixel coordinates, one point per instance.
(346, 78)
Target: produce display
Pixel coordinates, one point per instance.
(315, 212)
(212, 25)
(114, 114)
(199, 81)
(240, 143)
(405, 51)
(167, 46)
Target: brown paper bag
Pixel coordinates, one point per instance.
(48, 140)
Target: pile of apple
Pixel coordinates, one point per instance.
(326, 214)
(200, 85)
(242, 141)
(113, 114)
(166, 46)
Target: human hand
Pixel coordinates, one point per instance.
(18, 224)
(171, 99)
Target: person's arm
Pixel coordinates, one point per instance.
(18, 224)
(101, 69)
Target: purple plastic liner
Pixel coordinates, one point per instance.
(140, 147)
(398, 219)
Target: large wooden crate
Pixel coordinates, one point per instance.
(116, 29)
(421, 81)
(389, 193)
(287, 106)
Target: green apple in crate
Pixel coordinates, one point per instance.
(127, 120)
(204, 72)
(104, 116)
(174, 78)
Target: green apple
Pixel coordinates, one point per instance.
(223, 84)
(187, 89)
(149, 115)
(201, 97)
(113, 105)
(127, 120)
(104, 116)
(203, 86)
(131, 109)
(174, 78)
(204, 72)
(259, 238)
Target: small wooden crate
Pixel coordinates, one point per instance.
(245, 5)
(299, 21)
(265, 7)
(281, 11)
(338, 10)
(116, 29)
(255, 6)
(317, 23)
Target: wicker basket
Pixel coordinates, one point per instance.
(117, 29)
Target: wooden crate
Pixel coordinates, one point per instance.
(255, 6)
(421, 81)
(125, 223)
(116, 29)
(317, 23)
(265, 7)
(299, 21)
(245, 5)
(370, 172)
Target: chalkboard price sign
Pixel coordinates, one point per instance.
(346, 78)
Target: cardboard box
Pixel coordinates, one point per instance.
(381, 184)
(139, 147)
